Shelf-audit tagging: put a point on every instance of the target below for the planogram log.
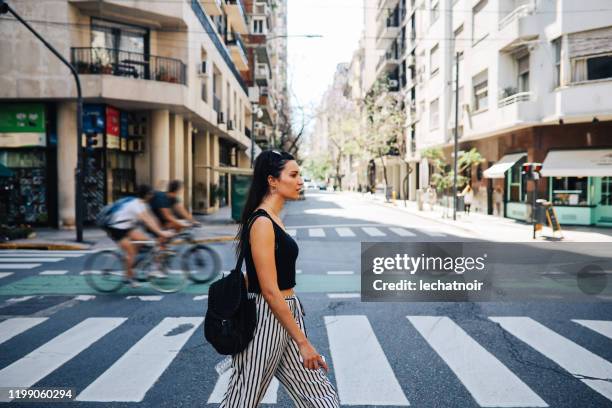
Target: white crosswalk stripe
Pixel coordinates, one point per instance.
(572, 357)
(54, 272)
(28, 370)
(402, 232)
(222, 383)
(345, 232)
(432, 232)
(490, 382)
(316, 232)
(5, 274)
(292, 232)
(19, 265)
(373, 232)
(31, 259)
(357, 363)
(602, 327)
(12, 327)
(138, 369)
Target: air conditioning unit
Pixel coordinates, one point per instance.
(259, 125)
(393, 83)
(411, 61)
(202, 69)
(230, 125)
(220, 118)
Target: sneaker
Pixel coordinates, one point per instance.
(133, 283)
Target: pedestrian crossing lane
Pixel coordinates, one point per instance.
(139, 368)
(490, 382)
(17, 325)
(345, 232)
(591, 369)
(41, 362)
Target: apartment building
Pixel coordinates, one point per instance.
(165, 98)
(534, 83)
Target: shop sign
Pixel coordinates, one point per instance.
(22, 118)
(113, 141)
(112, 121)
(22, 139)
(93, 119)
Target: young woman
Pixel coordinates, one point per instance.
(280, 347)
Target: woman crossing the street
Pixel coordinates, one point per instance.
(280, 347)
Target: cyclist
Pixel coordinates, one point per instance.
(169, 210)
(124, 228)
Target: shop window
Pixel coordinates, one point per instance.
(570, 190)
(606, 191)
(516, 182)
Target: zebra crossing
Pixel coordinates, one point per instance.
(364, 373)
(366, 232)
(17, 261)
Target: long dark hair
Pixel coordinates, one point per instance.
(268, 163)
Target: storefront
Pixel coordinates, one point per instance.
(28, 153)
(580, 185)
(509, 168)
(110, 173)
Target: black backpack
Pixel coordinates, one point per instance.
(231, 316)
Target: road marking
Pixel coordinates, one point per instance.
(149, 298)
(402, 232)
(340, 272)
(5, 274)
(432, 233)
(31, 259)
(373, 232)
(316, 232)
(602, 327)
(19, 266)
(135, 372)
(345, 232)
(490, 382)
(53, 272)
(41, 362)
(21, 299)
(291, 232)
(200, 297)
(12, 327)
(572, 357)
(222, 383)
(84, 298)
(26, 254)
(361, 362)
(343, 295)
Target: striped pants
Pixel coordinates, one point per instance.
(273, 353)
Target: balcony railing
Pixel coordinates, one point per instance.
(519, 12)
(393, 21)
(517, 97)
(111, 61)
(391, 55)
(206, 24)
(236, 40)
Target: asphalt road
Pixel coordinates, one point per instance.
(139, 348)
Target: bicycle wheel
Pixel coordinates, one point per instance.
(201, 263)
(161, 277)
(104, 271)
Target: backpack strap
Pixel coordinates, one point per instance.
(250, 222)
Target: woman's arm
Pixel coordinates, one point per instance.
(262, 249)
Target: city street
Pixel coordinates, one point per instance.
(140, 348)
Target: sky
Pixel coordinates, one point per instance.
(312, 61)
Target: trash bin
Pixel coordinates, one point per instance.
(240, 190)
(540, 211)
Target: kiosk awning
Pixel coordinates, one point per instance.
(499, 169)
(578, 163)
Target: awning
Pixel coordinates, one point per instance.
(578, 163)
(227, 170)
(499, 169)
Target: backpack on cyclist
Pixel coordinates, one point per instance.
(231, 316)
(104, 219)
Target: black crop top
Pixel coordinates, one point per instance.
(285, 254)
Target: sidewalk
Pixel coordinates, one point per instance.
(216, 227)
(493, 228)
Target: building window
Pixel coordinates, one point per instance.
(479, 22)
(435, 10)
(259, 26)
(606, 191)
(570, 190)
(481, 91)
(557, 51)
(434, 60)
(434, 114)
(592, 68)
(523, 73)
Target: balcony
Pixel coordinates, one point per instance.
(212, 7)
(516, 109)
(238, 52)
(384, 5)
(518, 26)
(388, 30)
(155, 13)
(262, 75)
(236, 16)
(388, 61)
(110, 61)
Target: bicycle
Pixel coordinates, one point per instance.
(105, 269)
(200, 262)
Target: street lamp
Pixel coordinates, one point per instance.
(5, 8)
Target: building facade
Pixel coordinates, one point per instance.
(165, 97)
